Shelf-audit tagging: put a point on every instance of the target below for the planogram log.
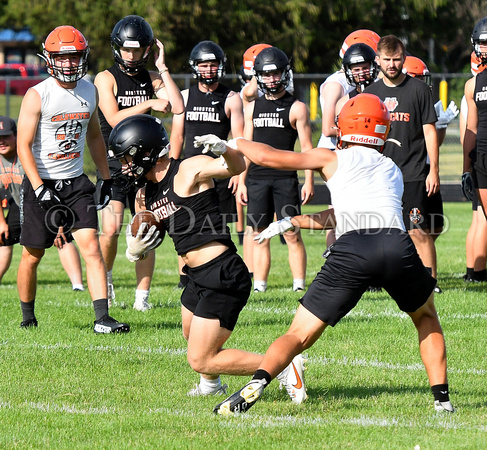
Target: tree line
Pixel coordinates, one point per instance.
(309, 31)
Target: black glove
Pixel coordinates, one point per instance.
(46, 197)
(467, 186)
(105, 193)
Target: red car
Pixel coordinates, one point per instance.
(22, 77)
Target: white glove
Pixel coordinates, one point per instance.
(232, 143)
(211, 143)
(138, 246)
(275, 228)
(445, 117)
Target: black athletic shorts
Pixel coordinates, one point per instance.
(434, 208)
(79, 209)
(226, 200)
(364, 258)
(479, 171)
(218, 289)
(266, 197)
(415, 206)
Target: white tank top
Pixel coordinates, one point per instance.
(59, 143)
(337, 77)
(366, 191)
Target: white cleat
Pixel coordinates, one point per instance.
(196, 391)
(444, 406)
(292, 378)
(142, 305)
(111, 295)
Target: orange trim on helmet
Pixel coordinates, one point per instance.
(250, 55)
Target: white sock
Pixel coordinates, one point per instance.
(260, 285)
(109, 277)
(209, 386)
(141, 295)
(78, 287)
(298, 284)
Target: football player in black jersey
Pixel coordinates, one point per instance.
(276, 118)
(125, 89)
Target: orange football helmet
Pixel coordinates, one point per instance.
(476, 65)
(416, 68)
(249, 57)
(66, 40)
(369, 37)
(364, 119)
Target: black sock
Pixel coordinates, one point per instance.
(240, 237)
(480, 275)
(101, 308)
(262, 374)
(183, 280)
(251, 274)
(470, 272)
(27, 310)
(440, 392)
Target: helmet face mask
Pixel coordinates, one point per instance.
(205, 52)
(66, 42)
(129, 34)
(360, 54)
(268, 62)
(138, 142)
(363, 120)
(479, 39)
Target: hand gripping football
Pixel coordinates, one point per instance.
(150, 219)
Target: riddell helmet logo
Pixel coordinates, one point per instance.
(361, 139)
(391, 103)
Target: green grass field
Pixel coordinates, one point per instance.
(65, 387)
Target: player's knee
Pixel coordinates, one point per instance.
(199, 363)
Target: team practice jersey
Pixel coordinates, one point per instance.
(480, 99)
(11, 176)
(190, 221)
(131, 90)
(271, 126)
(59, 142)
(411, 106)
(360, 204)
(205, 114)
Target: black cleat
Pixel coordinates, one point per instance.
(29, 323)
(438, 290)
(242, 400)
(108, 324)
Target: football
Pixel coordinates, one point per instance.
(150, 218)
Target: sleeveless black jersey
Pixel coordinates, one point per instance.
(131, 90)
(480, 98)
(272, 126)
(190, 221)
(411, 106)
(205, 114)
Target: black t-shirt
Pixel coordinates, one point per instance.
(272, 126)
(411, 106)
(480, 98)
(190, 221)
(205, 114)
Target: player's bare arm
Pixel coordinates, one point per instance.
(177, 130)
(30, 113)
(470, 137)
(96, 145)
(330, 94)
(431, 139)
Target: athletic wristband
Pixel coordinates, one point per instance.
(163, 71)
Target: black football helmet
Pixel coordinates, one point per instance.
(360, 53)
(132, 32)
(207, 51)
(144, 139)
(479, 34)
(269, 60)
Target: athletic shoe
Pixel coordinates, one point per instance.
(142, 305)
(111, 295)
(292, 378)
(196, 391)
(241, 400)
(108, 324)
(78, 287)
(374, 289)
(438, 290)
(29, 323)
(444, 406)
